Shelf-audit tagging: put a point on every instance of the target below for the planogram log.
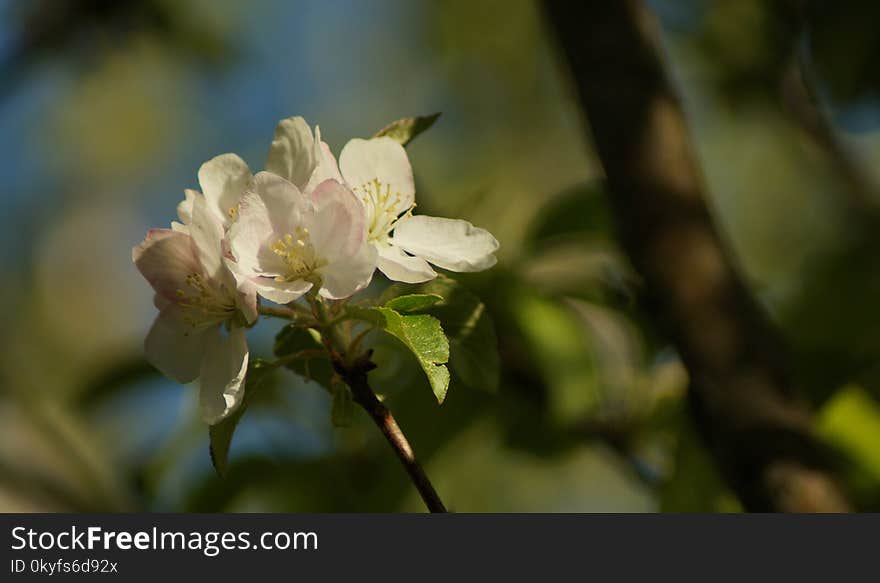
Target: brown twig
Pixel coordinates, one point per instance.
(742, 396)
(355, 376)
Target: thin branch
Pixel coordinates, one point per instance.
(355, 376)
(742, 396)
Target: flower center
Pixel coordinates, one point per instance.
(298, 254)
(382, 208)
(204, 304)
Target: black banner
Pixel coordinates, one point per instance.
(141, 547)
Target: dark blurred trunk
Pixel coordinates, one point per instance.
(741, 394)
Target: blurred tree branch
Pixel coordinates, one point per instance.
(742, 397)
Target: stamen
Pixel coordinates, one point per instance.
(382, 207)
(298, 254)
(204, 304)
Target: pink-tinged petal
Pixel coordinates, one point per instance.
(293, 155)
(246, 295)
(173, 346)
(184, 208)
(382, 159)
(207, 233)
(398, 266)
(165, 259)
(280, 292)
(452, 244)
(223, 180)
(222, 375)
(337, 227)
(348, 275)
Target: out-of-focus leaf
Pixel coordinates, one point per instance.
(120, 375)
(413, 302)
(851, 421)
(221, 433)
(749, 44)
(581, 211)
(695, 484)
(473, 345)
(561, 347)
(423, 335)
(292, 339)
(844, 48)
(406, 129)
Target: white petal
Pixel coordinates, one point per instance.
(165, 259)
(223, 180)
(246, 296)
(293, 155)
(173, 346)
(207, 233)
(337, 225)
(398, 266)
(223, 370)
(327, 169)
(184, 208)
(382, 159)
(269, 209)
(280, 292)
(348, 275)
(452, 244)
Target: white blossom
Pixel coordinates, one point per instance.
(199, 332)
(379, 173)
(286, 241)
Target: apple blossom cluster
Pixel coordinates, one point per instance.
(304, 225)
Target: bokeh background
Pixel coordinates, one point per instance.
(107, 109)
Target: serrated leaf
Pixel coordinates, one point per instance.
(405, 130)
(221, 433)
(340, 414)
(292, 339)
(413, 302)
(424, 337)
(473, 345)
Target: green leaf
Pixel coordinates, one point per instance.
(473, 345)
(695, 484)
(851, 421)
(422, 334)
(580, 212)
(563, 352)
(292, 339)
(340, 414)
(221, 433)
(413, 302)
(406, 129)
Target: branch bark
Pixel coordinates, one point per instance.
(742, 396)
(355, 376)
